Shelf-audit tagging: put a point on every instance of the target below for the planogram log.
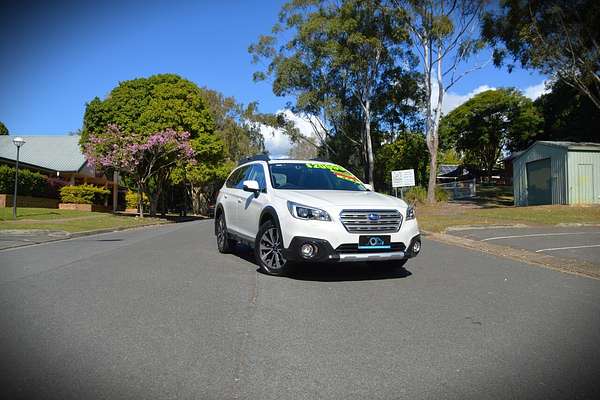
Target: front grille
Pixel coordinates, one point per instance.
(357, 221)
(353, 248)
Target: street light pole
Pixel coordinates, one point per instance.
(18, 141)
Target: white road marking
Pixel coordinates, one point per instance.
(539, 234)
(567, 248)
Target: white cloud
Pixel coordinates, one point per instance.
(535, 91)
(453, 100)
(277, 143)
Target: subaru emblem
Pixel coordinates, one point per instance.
(373, 217)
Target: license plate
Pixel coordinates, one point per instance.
(374, 242)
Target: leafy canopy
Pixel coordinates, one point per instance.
(560, 38)
(148, 105)
(490, 122)
(235, 124)
(3, 129)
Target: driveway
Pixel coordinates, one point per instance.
(159, 313)
(574, 243)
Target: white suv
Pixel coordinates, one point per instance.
(292, 210)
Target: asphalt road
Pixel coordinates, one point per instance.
(158, 313)
(576, 243)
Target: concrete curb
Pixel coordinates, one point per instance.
(558, 264)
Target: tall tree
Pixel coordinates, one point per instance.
(3, 129)
(443, 33)
(336, 59)
(140, 108)
(560, 38)
(490, 122)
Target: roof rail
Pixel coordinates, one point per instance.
(321, 159)
(258, 157)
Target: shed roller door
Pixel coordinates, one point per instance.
(539, 186)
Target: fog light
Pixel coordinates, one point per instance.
(308, 250)
(416, 247)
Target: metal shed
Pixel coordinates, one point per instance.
(557, 173)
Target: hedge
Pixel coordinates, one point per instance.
(83, 194)
(30, 183)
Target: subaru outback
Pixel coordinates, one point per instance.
(293, 211)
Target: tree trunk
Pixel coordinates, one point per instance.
(154, 205)
(432, 134)
(141, 199)
(432, 170)
(163, 206)
(370, 160)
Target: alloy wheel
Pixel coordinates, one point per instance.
(270, 249)
(221, 229)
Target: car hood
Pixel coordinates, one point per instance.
(344, 199)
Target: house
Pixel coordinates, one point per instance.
(557, 173)
(58, 157)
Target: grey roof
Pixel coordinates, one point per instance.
(571, 145)
(57, 153)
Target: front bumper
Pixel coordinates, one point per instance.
(349, 252)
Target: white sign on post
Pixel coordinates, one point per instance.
(403, 178)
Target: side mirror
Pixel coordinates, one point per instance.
(369, 187)
(251, 186)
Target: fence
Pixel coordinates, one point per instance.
(460, 189)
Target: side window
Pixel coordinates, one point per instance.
(236, 179)
(230, 181)
(257, 173)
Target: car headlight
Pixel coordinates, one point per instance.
(308, 213)
(410, 213)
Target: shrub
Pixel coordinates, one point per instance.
(418, 194)
(441, 194)
(131, 198)
(30, 183)
(83, 194)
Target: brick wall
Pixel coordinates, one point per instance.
(6, 200)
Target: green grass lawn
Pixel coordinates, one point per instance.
(68, 220)
(441, 216)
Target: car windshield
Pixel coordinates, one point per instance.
(313, 176)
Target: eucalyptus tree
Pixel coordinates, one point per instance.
(337, 59)
(444, 34)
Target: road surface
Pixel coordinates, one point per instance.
(158, 313)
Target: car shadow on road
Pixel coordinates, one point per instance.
(332, 272)
(341, 272)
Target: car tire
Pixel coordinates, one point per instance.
(224, 243)
(268, 248)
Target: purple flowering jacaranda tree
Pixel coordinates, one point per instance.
(143, 158)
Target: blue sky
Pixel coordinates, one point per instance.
(59, 55)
